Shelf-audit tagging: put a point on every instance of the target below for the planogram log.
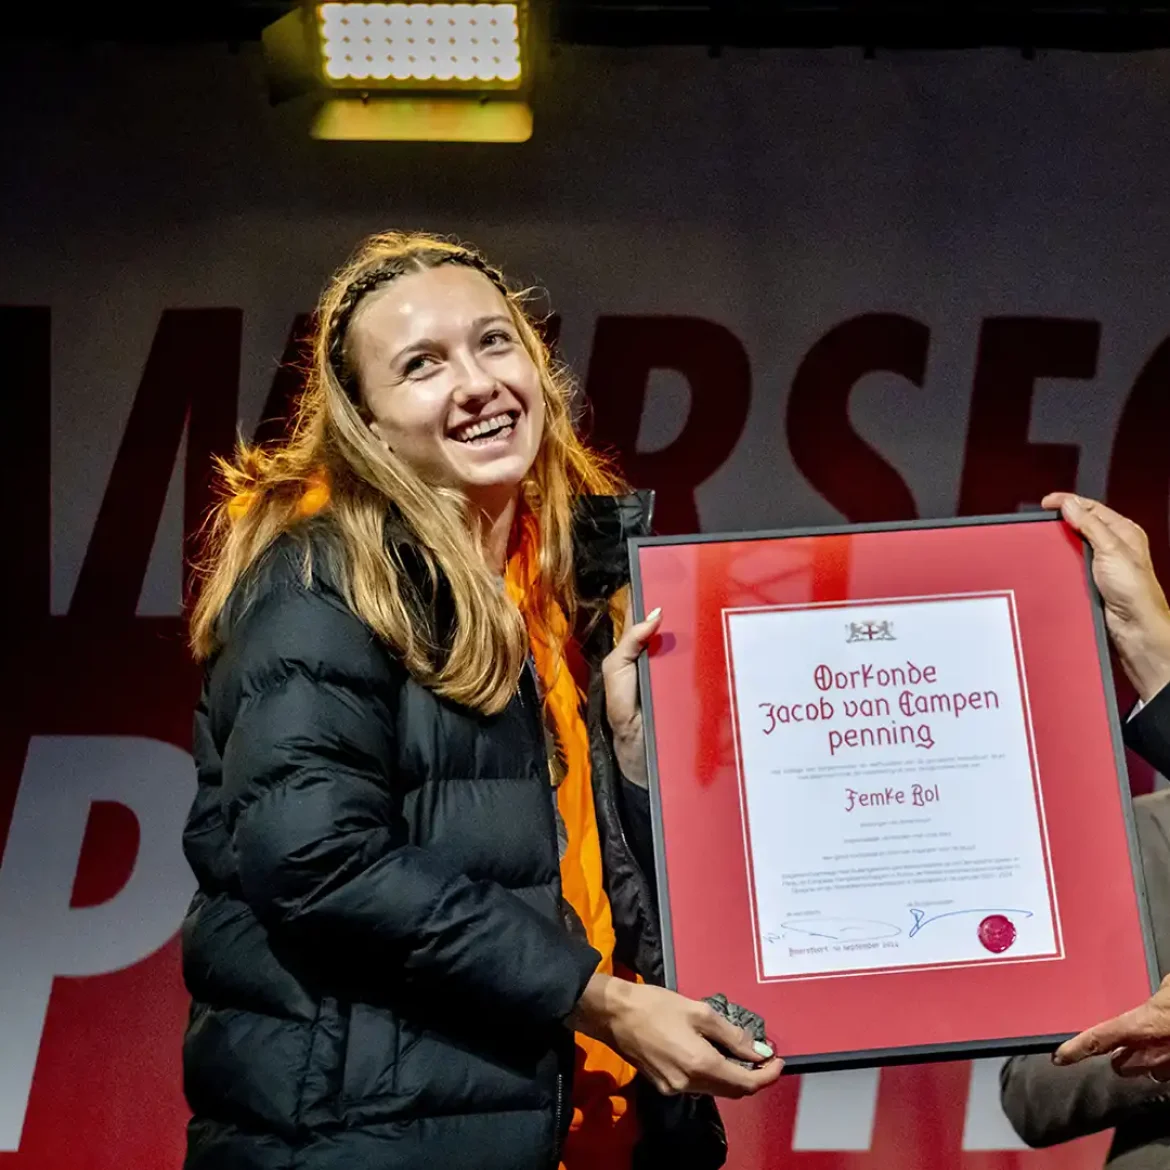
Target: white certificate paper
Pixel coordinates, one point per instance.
(893, 814)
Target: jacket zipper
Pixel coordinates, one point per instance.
(557, 1142)
(559, 1110)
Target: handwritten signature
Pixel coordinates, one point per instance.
(868, 929)
(840, 929)
(921, 919)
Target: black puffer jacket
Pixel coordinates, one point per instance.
(376, 954)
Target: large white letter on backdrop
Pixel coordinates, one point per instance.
(41, 936)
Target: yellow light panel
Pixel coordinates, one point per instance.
(421, 118)
(446, 43)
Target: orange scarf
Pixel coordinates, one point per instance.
(604, 1127)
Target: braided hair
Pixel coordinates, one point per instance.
(382, 273)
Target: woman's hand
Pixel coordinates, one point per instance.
(668, 1038)
(620, 673)
(1139, 1040)
(1136, 613)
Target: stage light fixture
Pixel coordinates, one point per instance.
(458, 71)
(456, 45)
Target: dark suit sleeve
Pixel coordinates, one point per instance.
(321, 846)
(1048, 1105)
(1148, 732)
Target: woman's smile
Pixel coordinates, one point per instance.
(490, 433)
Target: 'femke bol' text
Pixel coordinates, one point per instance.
(905, 697)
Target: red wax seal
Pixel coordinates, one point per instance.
(997, 933)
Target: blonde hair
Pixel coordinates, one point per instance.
(332, 460)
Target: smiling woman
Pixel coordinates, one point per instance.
(449, 388)
(421, 936)
(419, 338)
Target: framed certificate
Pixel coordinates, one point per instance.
(891, 808)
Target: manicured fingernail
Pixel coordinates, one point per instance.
(762, 1049)
(655, 612)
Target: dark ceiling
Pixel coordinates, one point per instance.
(716, 23)
(867, 23)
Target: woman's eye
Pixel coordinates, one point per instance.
(416, 363)
(496, 337)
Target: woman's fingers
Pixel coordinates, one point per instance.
(734, 1040)
(634, 640)
(620, 674)
(669, 1038)
(722, 1078)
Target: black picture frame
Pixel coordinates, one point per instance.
(911, 1054)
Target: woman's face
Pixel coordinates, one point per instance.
(449, 386)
